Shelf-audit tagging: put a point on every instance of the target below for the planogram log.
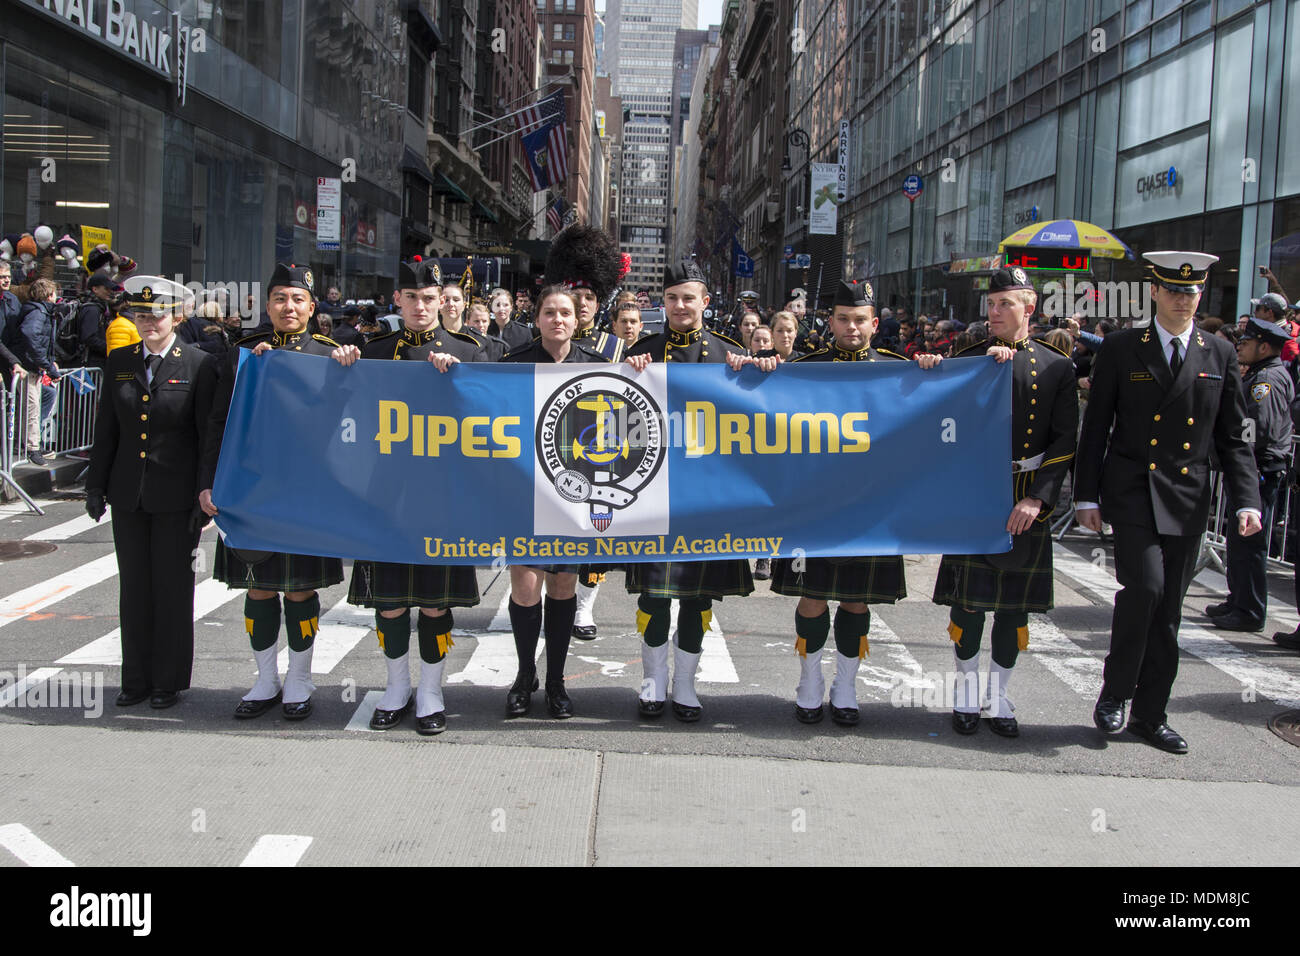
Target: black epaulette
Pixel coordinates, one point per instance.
(380, 338)
(325, 340)
(971, 348)
(893, 355)
(583, 347)
(808, 355)
(1044, 342)
(249, 339)
(727, 339)
(520, 350)
(464, 338)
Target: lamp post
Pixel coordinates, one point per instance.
(799, 138)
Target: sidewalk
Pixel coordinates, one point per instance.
(206, 799)
(61, 472)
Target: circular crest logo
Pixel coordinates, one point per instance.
(1019, 275)
(600, 440)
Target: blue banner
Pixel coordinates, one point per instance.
(742, 265)
(394, 461)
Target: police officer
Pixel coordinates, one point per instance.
(1162, 398)
(1268, 391)
(855, 583)
(290, 302)
(1044, 423)
(696, 584)
(392, 590)
(149, 432)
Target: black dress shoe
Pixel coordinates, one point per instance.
(129, 698)
(965, 723)
(388, 719)
(299, 711)
(1004, 726)
(247, 709)
(650, 708)
(1218, 610)
(844, 716)
(520, 695)
(762, 569)
(1162, 736)
(1108, 715)
(1236, 620)
(557, 701)
(584, 632)
(432, 725)
(686, 714)
(162, 699)
(809, 715)
(1288, 640)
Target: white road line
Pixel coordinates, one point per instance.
(494, 662)
(29, 600)
(30, 848)
(906, 669)
(277, 849)
(10, 694)
(501, 619)
(62, 532)
(1279, 611)
(361, 718)
(106, 651)
(1253, 674)
(341, 628)
(1079, 670)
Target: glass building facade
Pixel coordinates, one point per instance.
(206, 164)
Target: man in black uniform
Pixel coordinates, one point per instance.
(290, 302)
(161, 390)
(1267, 390)
(1172, 394)
(855, 583)
(393, 589)
(1044, 422)
(696, 583)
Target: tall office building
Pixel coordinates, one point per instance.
(639, 46)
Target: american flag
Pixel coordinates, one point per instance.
(548, 110)
(555, 214)
(547, 152)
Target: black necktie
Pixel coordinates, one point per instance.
(151, 363)
(1176, 358)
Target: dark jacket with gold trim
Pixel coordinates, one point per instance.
(286, 341)
(833, 353)
(1044, 416)
(697, 345)
(408, 345)
(536, 353)
(149, 442)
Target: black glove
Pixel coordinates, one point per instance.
(95, 504)
(198, 520)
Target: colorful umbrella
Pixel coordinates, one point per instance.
(1069, 234)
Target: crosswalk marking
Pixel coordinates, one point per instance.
(44, 593)
(106, 651)
(716, 666)
(277, 849)
(494, 662)
(64, 531)
(906, 670)
(1049, 646)
(1254, 674)
(11, 693)
(30, 848)
(341, 629)
(365, 710)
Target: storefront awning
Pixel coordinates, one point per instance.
(442, 184)
(483, 212)
(412, 162)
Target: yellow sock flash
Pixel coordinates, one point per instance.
(954, 632)
(642, 621)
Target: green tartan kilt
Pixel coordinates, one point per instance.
(387, 587)
(279, 572)
(876, 580)
(690, 579)
(969, 581)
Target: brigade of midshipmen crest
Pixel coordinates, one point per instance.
(1019, 275)
(599, 440)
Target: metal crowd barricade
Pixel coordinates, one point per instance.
(7, 429)
(1214, 547)
(68, 430)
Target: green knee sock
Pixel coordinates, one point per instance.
(851, 628)
(435, 637)
(394, 634)
(1010, 636)
(653, 618)
(302, 621)
(262, 620)
(966, 628)
(811, 632)
(693, 618)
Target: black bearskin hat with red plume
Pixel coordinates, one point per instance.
(585, 257)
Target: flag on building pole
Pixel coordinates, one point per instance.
(544, 113)
(741, 264)
(555, 214)
(547, 152)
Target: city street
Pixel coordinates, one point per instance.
(746, 785)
